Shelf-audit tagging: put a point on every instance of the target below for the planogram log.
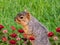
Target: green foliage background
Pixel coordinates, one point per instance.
(46, 11)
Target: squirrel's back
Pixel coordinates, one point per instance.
(39, 31)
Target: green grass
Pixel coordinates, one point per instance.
(46, 11)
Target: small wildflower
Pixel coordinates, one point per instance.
(13, 28)
(50, 34)
(31, 38)
(25, 35)
(14, 35)
(1, 27)
(21, 31)
(18, 38)
(25, 42)
(12, 42)
(58, 29)
(55, 38)
(4, 39)
(5, 31)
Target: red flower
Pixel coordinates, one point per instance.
(4, 39)
(58, 29)
(21, 31)
(14, 35)
(31, 38)
(25, 35)
(1, 27)
(13, 28)
(50, 34)
(12, 42)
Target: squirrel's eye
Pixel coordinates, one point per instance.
(21, 17)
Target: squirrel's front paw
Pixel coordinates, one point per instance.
(28, 35)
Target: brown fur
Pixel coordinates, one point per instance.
(33, 28)
(25, 26)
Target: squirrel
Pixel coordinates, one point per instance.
(33, 27)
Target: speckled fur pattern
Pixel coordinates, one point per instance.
(35, 28)
(39, 31)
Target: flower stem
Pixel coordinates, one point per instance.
(56, 42)
(7, 38)
(19, 42)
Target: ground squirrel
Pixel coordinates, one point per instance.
(33, 27)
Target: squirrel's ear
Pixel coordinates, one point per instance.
(28, 15)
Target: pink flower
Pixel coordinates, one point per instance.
(25, 42)
(55, 38)
(4, 39)
(13, 28)
(5, 31)
(18, 38)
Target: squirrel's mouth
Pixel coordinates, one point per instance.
(16, 19)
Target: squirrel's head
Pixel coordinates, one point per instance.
(23, 18)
